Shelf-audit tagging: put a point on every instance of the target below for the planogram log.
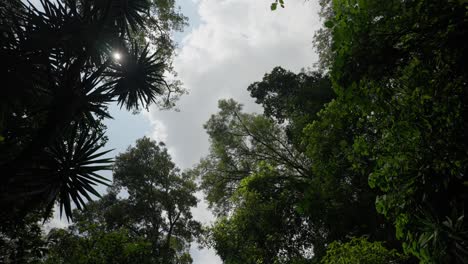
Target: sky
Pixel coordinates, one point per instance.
(228, 45)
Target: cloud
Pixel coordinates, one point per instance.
(235, 44)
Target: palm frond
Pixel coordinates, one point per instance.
(128, 15)
(76, 161)
(138, 78)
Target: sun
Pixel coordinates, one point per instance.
(116, 56)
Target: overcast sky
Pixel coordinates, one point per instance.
(229, 44)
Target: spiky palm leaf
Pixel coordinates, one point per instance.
(65, 32)
(138, 78)
(76, 162)
(127, 15)
(66, 171)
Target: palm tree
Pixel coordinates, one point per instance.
(62, 63)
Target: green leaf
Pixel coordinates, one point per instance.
(273, 6)
(329, 24)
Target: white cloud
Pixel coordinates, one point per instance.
(158, 129)
(56, 221)
(235, 44)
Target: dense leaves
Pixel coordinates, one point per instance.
(359, 250)
(96, 247)
(159, 199)
(400, 65)
(239, 142)
(253, 179)
(21, 241)
(295, 98)
(265, 226)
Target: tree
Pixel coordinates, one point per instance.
(159, 199)
(400, 117)
(50, 122)
(338, 195)
(153, 224)
(303, 201)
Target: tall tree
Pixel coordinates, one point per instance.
(78, 56)
(159, 198)
(152, 224)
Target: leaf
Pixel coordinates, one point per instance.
(273, 6)
(74, 162)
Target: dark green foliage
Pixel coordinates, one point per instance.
(59, 75)
(159, 199)
(400, 119)
(153, 224)
(275, 4)
(140, 71)
(253, 179)
(239, 143)
(296, 98)
(96, 247)
(338, 195)
(21, 241)
(294, 204)
(265, 226)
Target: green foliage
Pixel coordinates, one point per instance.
(359, 250)
(275, 4)
(253, 178)
(239, 142)
(283, 201)
(338, 196)
(22, 241)
(264, 227)
(296, 98)
(96, 247)
(153, 224)
(398, 70)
